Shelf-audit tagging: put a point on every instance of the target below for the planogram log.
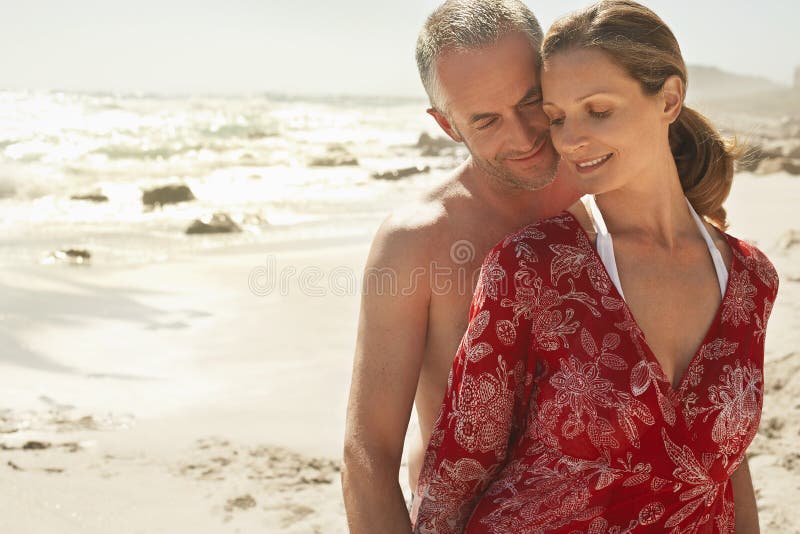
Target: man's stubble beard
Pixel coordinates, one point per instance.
(539, 178)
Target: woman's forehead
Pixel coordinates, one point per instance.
(574, 75)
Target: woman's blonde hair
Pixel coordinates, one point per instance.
(641, 43)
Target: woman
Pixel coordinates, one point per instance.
(575, 406)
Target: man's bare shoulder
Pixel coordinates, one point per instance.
(414, 232)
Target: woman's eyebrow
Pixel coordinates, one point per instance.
(582, 98)
(595, 93)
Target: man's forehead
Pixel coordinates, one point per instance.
(498, 75)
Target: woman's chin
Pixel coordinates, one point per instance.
(595, 185)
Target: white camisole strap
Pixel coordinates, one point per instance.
(605, 246)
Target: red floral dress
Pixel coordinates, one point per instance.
(559, 418)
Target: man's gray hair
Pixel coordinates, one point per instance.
(459, 25)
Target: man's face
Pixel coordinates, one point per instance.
(494, 105)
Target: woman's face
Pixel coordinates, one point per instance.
(606, 129)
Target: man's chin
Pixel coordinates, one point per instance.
(538, 179)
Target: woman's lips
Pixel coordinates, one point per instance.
(590, 165)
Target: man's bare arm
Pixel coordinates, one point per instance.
(389, 352)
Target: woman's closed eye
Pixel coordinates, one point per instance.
(600, 114)
(559, 120)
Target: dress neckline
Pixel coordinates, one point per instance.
(605, 246)
(679, 389)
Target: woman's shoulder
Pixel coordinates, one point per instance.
(533, 241)
(751, 258)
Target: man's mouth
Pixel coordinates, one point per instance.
(529, 155)
(588, 165)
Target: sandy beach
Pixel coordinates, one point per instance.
(194, 395)
(175, 397)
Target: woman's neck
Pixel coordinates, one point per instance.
(651, 208)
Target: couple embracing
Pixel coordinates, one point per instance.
(608, 365)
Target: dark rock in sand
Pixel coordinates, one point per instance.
(336, 156)
(78, 253)
(219, 223)
(71, 446)
(170, 194)
(775, 148)
(782, 148)
(773, 165)
(397, 174)
(90, 198)
(35, 445)
(334, 161)
(433, 146)
(72, 255)
(763, 150)
(242, 503)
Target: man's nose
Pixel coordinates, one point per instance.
(522, 134)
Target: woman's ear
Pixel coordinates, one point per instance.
(673, 94)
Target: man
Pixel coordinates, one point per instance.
(479, 63)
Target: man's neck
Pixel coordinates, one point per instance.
(517, 205)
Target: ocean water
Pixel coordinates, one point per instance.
(250, 157)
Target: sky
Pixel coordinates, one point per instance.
(318, 47)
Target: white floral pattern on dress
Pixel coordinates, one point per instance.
(703, 490)
(481, 411)
(738, 303)
(755, 260)
(761, 321)
(445, 509)
(573, 260)
(491, 276)
(475, 352)
(736, 400)
(580, 386)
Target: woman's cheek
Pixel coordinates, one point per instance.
(556, 138)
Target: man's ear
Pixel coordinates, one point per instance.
(445, 125)
(673, 95)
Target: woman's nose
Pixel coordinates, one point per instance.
(568, 137)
